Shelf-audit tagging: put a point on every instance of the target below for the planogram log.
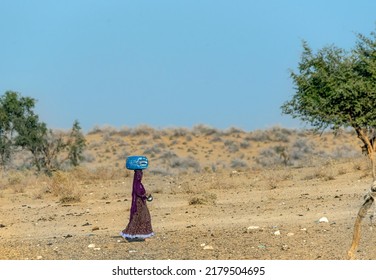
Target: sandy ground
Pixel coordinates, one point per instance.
(224, 215)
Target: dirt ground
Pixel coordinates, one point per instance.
(265, 215)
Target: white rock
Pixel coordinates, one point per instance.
(91, 246)
(97, 249)
(250, 228)
(290, 234)
(323, 220)
(277, 232)
(208, 247)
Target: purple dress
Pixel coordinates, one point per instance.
(139, 226)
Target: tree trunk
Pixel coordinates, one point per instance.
(369, 147)
(371, 155)
(361, 214)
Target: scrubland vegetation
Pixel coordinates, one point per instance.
(199, 151)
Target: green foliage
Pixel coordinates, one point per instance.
(333, 89)
(336, 88)
(52, 149)
(21, 128)
(16, 118)
(76, 144)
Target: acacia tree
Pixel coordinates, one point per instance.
(51, 149)
(20, 127)
(336, 89)
(15, 112)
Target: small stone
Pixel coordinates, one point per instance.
(91, 246)
(97, 249)
(277, 232)
(323, 220)
(208, 247)
(39, 257)
(95, 228)
(1, 225)
(290, 234)
(251, 228)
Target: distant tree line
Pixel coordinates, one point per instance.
(21, 130)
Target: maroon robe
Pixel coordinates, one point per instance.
(139, 226)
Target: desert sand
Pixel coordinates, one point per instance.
(205, 206)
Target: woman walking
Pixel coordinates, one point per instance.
(139, 226)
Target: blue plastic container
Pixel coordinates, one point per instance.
(137, 162)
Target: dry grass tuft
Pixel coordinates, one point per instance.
(18, 181)
(204, 198)
(65, 187)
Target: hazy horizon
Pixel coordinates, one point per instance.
(167, 63)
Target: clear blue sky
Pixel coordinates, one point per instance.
(175, 63)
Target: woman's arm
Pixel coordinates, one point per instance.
(140, 191)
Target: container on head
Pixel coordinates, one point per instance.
(137, 162)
